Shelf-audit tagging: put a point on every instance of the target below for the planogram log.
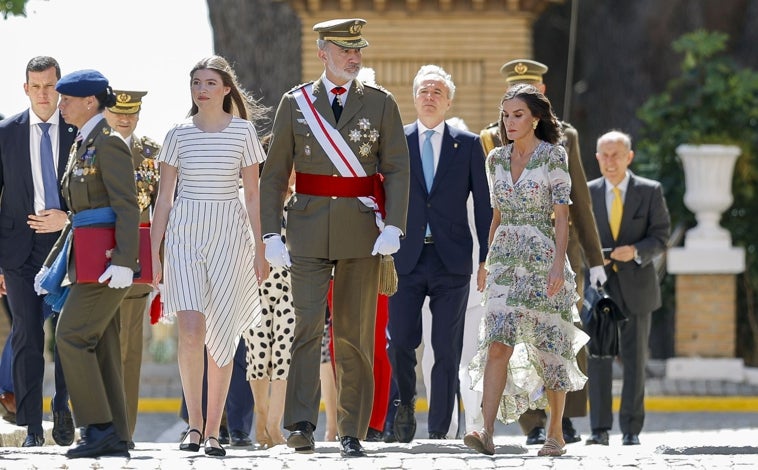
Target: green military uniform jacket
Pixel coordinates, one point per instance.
(335, 228)
(97, 175)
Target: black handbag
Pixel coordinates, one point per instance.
(601, 317)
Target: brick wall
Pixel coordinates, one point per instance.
(705, 315)
(470, 45)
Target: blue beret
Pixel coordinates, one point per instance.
(82, 83)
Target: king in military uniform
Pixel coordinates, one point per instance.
(344, 139)
(583, 244)
(123, 118)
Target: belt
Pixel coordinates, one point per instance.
(428, 240)
(334, 185)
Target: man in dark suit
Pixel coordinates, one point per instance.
(434, 260)
(344, 139)
(34, 148)
(633, 223)
(583, 246)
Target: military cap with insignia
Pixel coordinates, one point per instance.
(82, 83)
(127, 102)
(523, 70)
(344, 32)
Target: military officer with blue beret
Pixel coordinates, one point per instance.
(99, 189)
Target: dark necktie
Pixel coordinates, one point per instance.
(47, 164)
(337, 102)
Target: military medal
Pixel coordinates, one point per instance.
(307, 150)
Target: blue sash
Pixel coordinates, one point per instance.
(53, 279)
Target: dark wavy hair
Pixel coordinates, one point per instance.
(548, 127)
(238, 102)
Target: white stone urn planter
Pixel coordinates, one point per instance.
(708, 171)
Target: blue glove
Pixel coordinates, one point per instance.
(388, 242)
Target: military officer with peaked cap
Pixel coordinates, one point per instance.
(333, 225)
(584, 243)
(123, 118)
(99, 190)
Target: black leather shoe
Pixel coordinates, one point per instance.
(570, 435)
(351, 447)
(389, 437)
(536, 436)
(598, 437)
(212, 450)
(437, 435)
(34, 440)
(223, 435)
(63, 427)
(301, 438)
(239, 439)
(630, 440)
(97, 442)
(405, 422)
(374, 435)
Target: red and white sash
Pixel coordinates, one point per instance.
(335, 146)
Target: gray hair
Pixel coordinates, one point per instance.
(437, 72)
(615, 136)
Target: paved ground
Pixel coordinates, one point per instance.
(712, 450)
(690, 425)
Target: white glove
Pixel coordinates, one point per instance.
(388, 241)
(597, 276)
(276, 252)
(120, 276)
(38, 281)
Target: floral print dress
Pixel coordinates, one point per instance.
(518, 311)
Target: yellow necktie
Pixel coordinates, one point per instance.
(617, 209)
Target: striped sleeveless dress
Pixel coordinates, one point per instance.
(209, 245)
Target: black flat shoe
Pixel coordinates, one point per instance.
(190, 446)
(630, 440)
(598, 437)
(34, 440)
(570, 435)
(214, 451)
(405, 422)
(63, 427)
(301, 438)
(99, 440)
(536, 436)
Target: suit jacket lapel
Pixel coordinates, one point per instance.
(632, 202)
(447, 154)
(322, 104)
(24, 163)
(353, 105)
(601, 215)
(415, 155)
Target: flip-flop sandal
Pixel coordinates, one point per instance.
(480, 441)
(552, 448)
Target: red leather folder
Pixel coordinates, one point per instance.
(92, 246)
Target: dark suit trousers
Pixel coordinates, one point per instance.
(448, 296)
(356, 284)
(633, 354)
(90, 351)
(28, 340)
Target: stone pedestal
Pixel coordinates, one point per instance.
(707, 265)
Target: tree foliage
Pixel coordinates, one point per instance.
(713, 100)
(12, 8)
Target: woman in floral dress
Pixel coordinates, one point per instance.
(528, 341)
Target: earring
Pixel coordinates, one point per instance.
(534, 124)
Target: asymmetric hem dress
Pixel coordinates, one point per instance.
(518, 311)
(209, 248)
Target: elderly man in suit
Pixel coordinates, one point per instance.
(34, 147)
(583, 246)
(634, 225)
(435, 258)
(345, 140)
